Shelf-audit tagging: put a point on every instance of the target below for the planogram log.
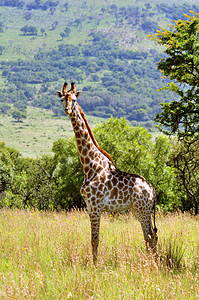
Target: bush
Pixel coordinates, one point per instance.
(29, 30)
(53, 182)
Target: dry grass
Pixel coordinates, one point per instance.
(48, 256)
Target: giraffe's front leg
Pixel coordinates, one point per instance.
(95, 226)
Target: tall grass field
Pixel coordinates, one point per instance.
(47, 255)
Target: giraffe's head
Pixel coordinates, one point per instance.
(68, 97)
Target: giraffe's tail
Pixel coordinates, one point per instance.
(154, 210)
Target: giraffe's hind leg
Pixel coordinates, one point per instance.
(95, 226)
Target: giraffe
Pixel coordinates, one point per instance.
(105, 188)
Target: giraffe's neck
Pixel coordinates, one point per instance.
(92, 157)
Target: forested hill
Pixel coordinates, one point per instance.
(101, 45)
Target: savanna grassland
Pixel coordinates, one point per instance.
(36, 134)
(47, 255)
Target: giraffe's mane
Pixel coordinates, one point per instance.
(92, 136)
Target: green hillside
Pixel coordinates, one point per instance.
(101, 45)
(37, 133)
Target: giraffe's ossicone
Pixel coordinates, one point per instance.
(105, 188)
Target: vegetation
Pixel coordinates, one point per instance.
(181, 116)
(99, 61)
(184, 159)
(18, 115)
(41, 253)
(54, 181)
(42, 257)
(134, 152)
(103, 47)
(29, 30)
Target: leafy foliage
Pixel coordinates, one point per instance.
(53, 182)
(185, 160)
(68, 174)
(134, 152)
(29, 30)
(181, 117)
(181, 65)
(12, 3)
(6, 168)
(18, 115)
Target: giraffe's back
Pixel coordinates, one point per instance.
(117, 191)
(129, 191)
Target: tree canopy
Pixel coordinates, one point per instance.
(181, 65)
(181, 116)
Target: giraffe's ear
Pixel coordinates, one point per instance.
(73, 87)
(78, 94)
(59, 94)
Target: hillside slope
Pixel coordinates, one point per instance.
(101, 45)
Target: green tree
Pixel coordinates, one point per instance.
(1, 27)
(181, 116)
(18, 115)
(181, 65)
(29, 30)
(63, 35)
(42, 31)
(66, 6)
(67, 31)
(39, 190)
(8, 159)
(133, 151)
(184, 158)
(68, 174)
(1, 50)
(130, 147)
(54, 25)
(6, 167)
(4, 108)
(162, 175)
(32, 185)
